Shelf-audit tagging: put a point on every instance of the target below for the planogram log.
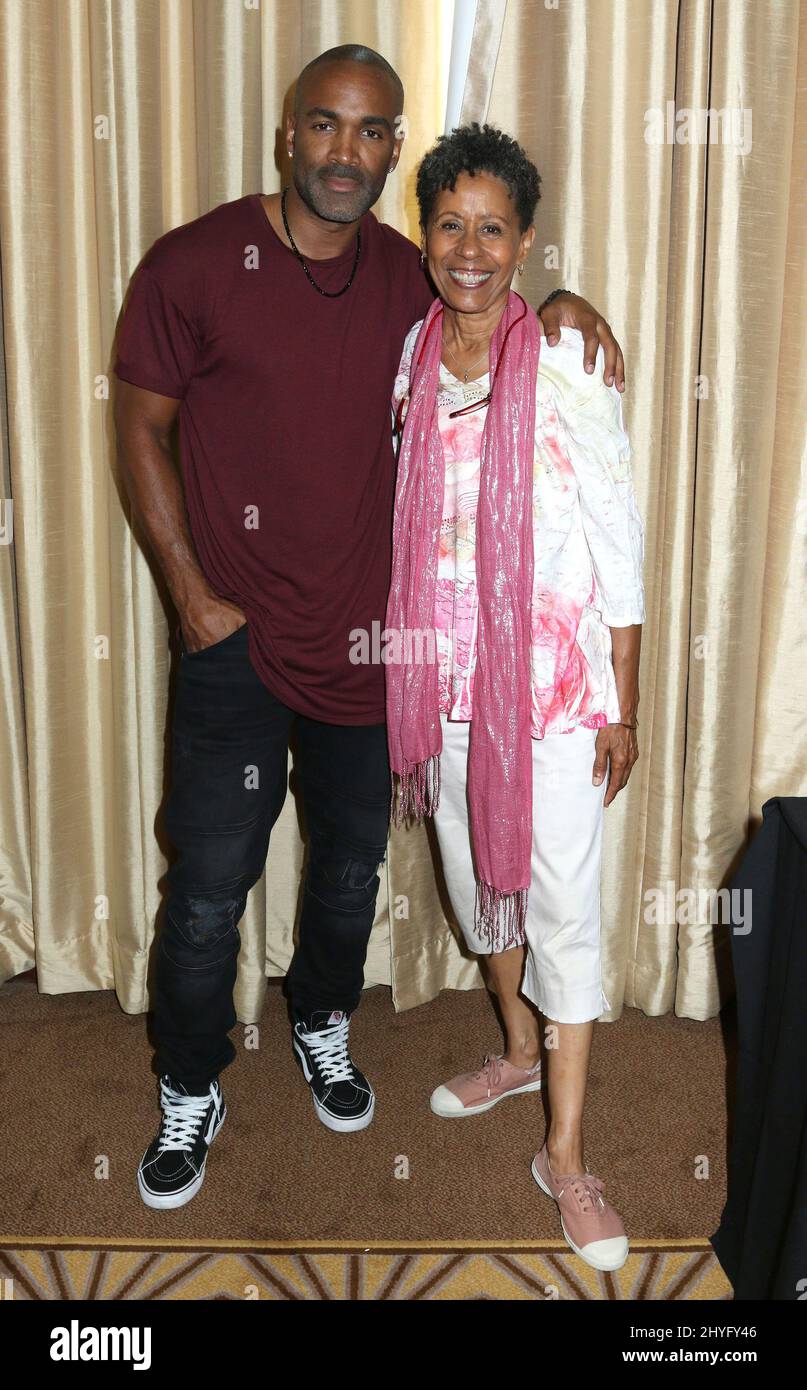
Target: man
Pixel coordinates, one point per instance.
(272, 328)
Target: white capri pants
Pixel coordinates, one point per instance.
(563, 966)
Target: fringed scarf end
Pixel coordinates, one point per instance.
(416, 793)
(500, 917)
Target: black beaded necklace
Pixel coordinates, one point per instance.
(329, 294)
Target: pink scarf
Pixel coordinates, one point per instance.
(500, 747)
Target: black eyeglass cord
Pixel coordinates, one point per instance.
(329, 294)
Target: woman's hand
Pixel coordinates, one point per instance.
(570, 311)
(619, 746)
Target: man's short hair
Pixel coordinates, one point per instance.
(350, 53)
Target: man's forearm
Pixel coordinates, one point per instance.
(158, 501)
(626, 645)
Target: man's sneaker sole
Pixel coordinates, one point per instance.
(484, 1105)
(159, 1202)
(587, 1259)
(344, 1126)
(330, 1121)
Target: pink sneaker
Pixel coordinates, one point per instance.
(475, 1091)
(590, 1224)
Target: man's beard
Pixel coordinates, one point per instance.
(337, 207)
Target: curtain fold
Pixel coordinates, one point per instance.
(485, 44)
(16, 908)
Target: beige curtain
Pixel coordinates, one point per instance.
(121, 119)
(695, 254)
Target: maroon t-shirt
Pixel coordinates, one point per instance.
(285, 433)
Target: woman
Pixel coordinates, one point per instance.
(518, 547)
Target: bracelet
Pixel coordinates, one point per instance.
(550, 297)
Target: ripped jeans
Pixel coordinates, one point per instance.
(229, 756)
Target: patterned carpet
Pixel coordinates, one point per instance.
(111, 1271)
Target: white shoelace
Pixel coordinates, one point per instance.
(182, 1117)
(328, 1046)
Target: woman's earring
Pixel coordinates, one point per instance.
(521, 267)
(422, 259)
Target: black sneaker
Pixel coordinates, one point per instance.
(343, 1098)
(173, 1167)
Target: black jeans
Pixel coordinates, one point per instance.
(229, 776)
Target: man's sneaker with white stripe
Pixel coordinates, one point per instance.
(173, 1167)
(343, 1097)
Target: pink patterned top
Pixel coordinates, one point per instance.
(588, 539)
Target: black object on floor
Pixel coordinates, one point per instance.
(762, 1238)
